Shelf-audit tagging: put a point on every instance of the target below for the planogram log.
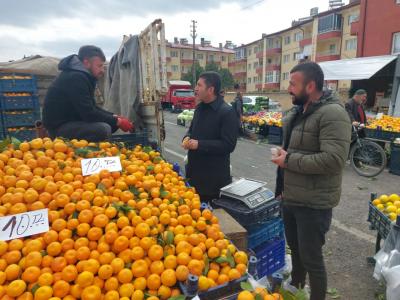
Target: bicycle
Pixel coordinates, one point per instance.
(367, 158)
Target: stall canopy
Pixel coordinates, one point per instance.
(355, 68)
(38, 65)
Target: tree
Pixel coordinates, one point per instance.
(227, 80)
(226, 76)
(189, 75)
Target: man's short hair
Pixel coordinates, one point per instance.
(236, 86)
(212, 79)
(90, 51)
(312, 72)
(360, 92)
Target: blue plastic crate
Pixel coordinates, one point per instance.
(132, 139)
(275, 139)
(275, 130)
(395, 159)
(19, 102)
(20, 119)
(11, 83)
(259, 234)
(379, 221)
(270, 256)
(23, 134)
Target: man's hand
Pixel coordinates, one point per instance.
(185, 143)
(124, 124)
(355, 123)
(190, 144)
(280, 159)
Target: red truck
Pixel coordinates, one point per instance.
(180, 96)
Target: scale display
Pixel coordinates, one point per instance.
(252, 192)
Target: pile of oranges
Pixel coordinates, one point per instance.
(132, 234)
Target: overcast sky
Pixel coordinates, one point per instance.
(58, 28)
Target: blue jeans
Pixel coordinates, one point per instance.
(305, 230)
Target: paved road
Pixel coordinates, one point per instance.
(349, 241)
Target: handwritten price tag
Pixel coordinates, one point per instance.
(95, 165)
(25, 224)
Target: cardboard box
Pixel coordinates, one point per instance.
(232, 229)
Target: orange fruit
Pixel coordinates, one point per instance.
(156, 252)
(92, 292)
(15, 288)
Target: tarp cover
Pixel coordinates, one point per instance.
(37, 64)
(355, 68)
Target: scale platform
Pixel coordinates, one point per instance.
(251, 192)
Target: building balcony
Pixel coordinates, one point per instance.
(259, 85)
(186, 61)
(260, 54)
(305, 42)
(169, 74)
(239, 74)
(327, 56)
(259, 70)
(272, 86)
(272, 67)
(355, 28)
(168, 59)
(329, 35)
(272, 51)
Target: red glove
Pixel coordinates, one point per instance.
(125, 124)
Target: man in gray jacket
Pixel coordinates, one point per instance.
(316, 136)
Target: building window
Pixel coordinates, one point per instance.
(298, 36)
(351, 44)
(286, 58)
(174, 68)
(200, 56)
(223, 58)
(211, 58)
(297, 56)
(287, 39)
(240, 53)
(182, 54)
(249, 80)
(174, 53)
(270, 43)
(330, 23)
(255, 79)
(249, 52)
(255, 65)
(332, 48)
(272, 77)
(255, 49)
(285, 76)
(182, 69)
(396, 43)
(249, 67)
(352, 18)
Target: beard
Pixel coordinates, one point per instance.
(300, 99)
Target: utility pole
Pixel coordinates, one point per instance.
(193, 34)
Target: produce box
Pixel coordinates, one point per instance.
(232, 229)
(17, 83)
(394, 166)
(261, 233)
(270, 257)
(379, 221)
(20, 118)
(22, 133)
(25, 102)
(130, 140)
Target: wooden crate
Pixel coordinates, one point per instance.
(232, 229)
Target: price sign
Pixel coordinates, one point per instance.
(24, 224)
(95, 165)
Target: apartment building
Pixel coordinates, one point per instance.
(238, 66)
(180, 56)
(320, 37)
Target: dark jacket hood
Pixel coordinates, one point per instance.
(72, 63)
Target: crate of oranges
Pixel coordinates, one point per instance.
(132, 234)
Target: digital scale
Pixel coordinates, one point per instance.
(251, 192)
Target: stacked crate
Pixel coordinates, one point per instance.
(19, 106)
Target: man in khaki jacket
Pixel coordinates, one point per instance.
(316, 136)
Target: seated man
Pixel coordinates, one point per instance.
(70, 110)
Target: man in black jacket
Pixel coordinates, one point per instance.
(211, 139)
(355, 108)
(70, 110)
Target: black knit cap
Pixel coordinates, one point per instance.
(89, 51)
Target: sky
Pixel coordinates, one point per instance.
(58, 28)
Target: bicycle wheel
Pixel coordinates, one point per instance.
(367, 158)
